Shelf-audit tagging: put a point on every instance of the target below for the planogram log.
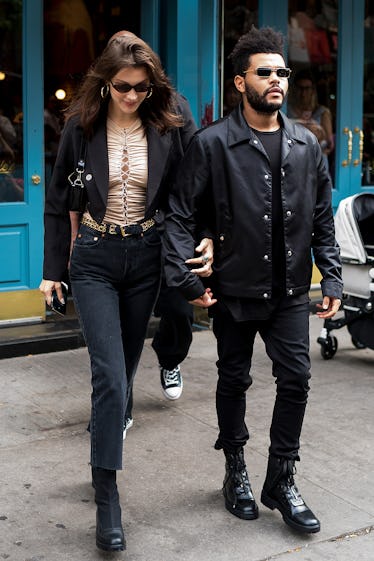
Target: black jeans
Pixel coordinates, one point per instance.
(173, 337)
(286, 338)
(115, 282)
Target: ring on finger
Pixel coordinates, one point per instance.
(205, 259)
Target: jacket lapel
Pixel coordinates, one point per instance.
(158, 152)
(97, 151)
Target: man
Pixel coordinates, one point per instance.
(258, 183)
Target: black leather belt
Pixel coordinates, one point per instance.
(116, 229)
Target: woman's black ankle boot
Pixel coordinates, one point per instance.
(109, 531)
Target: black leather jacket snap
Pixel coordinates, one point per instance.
(225, 186)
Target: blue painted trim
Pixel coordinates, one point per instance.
(273, 13)
(150, 23)
(33, 108)
(209, 55)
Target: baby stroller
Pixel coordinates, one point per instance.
(354, 230)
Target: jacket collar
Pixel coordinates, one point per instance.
(239, 131)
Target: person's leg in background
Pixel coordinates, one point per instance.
(173, 338)
(171, 343)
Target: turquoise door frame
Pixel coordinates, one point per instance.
(21, 223)
(186, 35)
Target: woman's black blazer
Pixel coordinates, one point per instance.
(164, 155)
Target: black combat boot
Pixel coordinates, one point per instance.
(280, 492)
(237, 490)
(109, 531)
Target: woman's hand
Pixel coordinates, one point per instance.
(205, 261)
(47, 287)
(205, 300)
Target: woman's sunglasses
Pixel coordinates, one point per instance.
(124, 87)
(265, 72)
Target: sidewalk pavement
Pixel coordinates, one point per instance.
(173, 508)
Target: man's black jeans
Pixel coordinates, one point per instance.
(286, 337)
(115, 282)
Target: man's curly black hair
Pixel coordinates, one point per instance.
(264, 40)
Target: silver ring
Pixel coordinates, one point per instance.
(205, 259)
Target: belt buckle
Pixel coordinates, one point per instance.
(123, 231)
(112, 229)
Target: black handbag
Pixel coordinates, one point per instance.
(78, 194)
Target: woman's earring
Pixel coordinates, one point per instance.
(104, 91)
(150, 92)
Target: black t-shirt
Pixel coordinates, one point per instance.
(271, 141)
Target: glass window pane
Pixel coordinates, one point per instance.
(312, 55)
(368, 113)
(11, 116)
(238, 18)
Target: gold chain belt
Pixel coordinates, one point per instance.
(116, 229)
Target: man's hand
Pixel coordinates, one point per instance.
(205, 247)
(205, 300)
(330, 305)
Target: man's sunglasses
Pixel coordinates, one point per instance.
(124, 87)
(265, 72)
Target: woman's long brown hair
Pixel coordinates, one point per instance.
(123, 50)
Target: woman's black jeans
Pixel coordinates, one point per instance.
(115, 282)
(286, 337)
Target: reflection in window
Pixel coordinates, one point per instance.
(312, 54)
(368, 113)
(238, 18)
(11, 121)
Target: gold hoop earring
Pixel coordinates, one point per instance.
(149, 93)
(104, 91)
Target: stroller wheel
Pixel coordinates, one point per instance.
(329, 347)
(358, 344)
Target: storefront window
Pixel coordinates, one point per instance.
(238, 17)
(312, 55)
(11, 116)
(367, 145)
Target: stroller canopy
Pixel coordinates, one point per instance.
(354, 228)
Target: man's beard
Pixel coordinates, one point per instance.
(258, 102)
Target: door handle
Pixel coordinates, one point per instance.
(35, 179)
(359, 131)
(348, 132)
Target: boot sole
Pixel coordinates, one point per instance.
(239, 514)
(106, 547)
(270, 503)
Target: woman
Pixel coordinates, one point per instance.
(134, 133)
(305, 109)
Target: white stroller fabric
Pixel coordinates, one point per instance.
(347, 232)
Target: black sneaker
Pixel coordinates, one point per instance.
(171, 382)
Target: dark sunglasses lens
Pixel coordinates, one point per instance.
(141, 88)
(263, 72)
(283, 72)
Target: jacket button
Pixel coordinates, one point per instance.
(88, 177)
(289, 141)
(266, 176)
(255, 142)
(288, 213)
(265, 295)
(222, 237)
(266, 217)
(290, 292)
(266, 257)
(289, 253)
